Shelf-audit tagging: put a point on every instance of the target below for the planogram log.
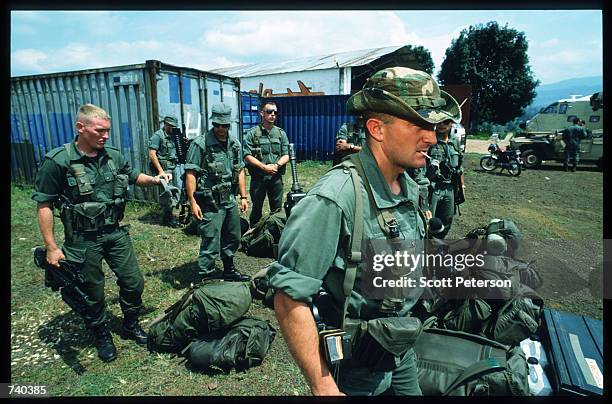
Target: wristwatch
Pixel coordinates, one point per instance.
(351, 147)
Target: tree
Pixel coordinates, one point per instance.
(494, 61)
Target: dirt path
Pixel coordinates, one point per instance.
(480, 146)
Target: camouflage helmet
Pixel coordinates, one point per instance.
(221, 114)
(170, 120)
(405, 93)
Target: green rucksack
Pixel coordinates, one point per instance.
(245, 345)
(260, 241)
(213, 306)
(456, 363)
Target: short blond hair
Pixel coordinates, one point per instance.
(88, 111)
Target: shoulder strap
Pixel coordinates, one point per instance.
(477, 370)
(258, 134)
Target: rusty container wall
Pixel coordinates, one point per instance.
(44, 107)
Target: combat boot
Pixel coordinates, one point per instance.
(230, 273)
(132, 330)
(169, 220)
(104, 343)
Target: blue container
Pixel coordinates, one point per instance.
(137, 97)
(249, 110)
(312, 122)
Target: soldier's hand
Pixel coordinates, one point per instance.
(270, 169)
(244, 205)
(341, 145)
(54, 256)
(166, 176)
(428, 214)
(195, 210)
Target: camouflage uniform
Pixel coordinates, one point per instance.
(267, 147)
(572, 136)
(442, 197)
(217, 166)
(353, 133)
(325, 219)
(419, 176)
(165, 149)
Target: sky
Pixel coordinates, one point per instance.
(563, 44)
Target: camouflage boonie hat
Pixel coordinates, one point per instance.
(406, 93)
(221, 114)
(170, 120)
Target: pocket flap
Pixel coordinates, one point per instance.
(90, 210)
(395, 334)
(74, 254)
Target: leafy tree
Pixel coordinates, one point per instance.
(494, 61)
(421, 58)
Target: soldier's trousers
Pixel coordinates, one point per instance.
(573, 155)
(361, 381)
(442, 205)
(115, 247)
(272, 186)
(220, 235)
(166, 208)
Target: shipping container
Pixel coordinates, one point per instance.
(250, 103)
(137, 97)
(312, 122)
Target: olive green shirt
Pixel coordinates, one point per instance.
(352, 133)
(316, 240)
(212, 161)
(54, 177)
(166, 149)
(273, 144)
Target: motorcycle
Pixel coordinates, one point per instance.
(506, 160)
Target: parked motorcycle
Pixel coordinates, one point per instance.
(506, 160)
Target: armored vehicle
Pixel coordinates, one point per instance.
(543, 140)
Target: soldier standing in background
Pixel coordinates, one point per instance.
(572, 135)
(213, 170)
(162, 152)
(400, 107)
(87, 181)
(266, 153)
(350, 138)
(443, 169)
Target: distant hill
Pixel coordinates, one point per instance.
(549, 93)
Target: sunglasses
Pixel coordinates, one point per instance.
(221, 125)
(271, 111)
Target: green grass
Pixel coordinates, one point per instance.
(50, 346)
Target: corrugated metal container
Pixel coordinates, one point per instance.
(312, 122)
(137, 97)
(249, 110)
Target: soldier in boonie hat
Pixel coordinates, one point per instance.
(406, 93)
(170, 120)
(221, 114)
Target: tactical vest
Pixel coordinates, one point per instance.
(450, 162)
(271, 154)
(166, 154)
(225, 183)
(83, 210)
(356, 134)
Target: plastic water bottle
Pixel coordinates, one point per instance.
(539, 385)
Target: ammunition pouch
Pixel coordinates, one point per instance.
(222, 193)
(205, 199)
(381, 343)
(89, 217)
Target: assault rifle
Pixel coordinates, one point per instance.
(67, 278)
(296, 192)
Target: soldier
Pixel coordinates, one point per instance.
(419, 175)
(572, 135)
(400, 107)
(444, 167)
(162, 152)
(87, 181)
(266, 153)
(214, 169)
(349, 140)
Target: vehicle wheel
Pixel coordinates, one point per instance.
(531, 158)
(488, 163)
(515, 168)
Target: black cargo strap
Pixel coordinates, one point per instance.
(476, 370)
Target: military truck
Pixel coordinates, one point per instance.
(542, 139)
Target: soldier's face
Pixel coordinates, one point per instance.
(93, 133)
(443, 128)
(221, 131)
(404, 141)
(269, 113)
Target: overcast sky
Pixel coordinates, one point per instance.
(562, 44)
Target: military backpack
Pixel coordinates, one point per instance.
(262, 239)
